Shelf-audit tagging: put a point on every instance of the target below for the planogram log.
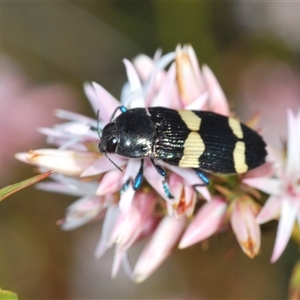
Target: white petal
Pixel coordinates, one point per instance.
(126, 199)
(285, 227)
(110, 219)
(271, 186)
(101, 100)
(159, 247)
(293, 146)
(102, 165)
(206, 222)
(136, 97)
(270, 210)
(199, 102)
(164, 97)
(217, 99)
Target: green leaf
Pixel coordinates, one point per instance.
(13, 188)
(8, 295)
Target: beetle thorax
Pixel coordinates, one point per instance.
(135, 134)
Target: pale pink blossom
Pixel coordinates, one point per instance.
(284, 189)
(214, 216)
(107, 193)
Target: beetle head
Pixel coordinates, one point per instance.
(109, 139)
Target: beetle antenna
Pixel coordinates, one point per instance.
(121, 108)
(113, 163)
(98, 124)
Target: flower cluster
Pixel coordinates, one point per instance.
(132, 215)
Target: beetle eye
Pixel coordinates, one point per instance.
(111, 145)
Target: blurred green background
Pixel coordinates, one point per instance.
(47, 51)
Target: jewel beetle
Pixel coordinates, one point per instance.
(202, 140)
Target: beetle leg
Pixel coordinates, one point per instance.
(167, 190)
(125, 186)
(139, 177)
(203, 177)
(160, 170)
(136, 183)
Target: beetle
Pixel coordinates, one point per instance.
(202, 140)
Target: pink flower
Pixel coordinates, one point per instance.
(83, 172)
(213, 216)
(284, 189)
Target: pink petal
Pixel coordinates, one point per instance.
(119, 254)
(82, 211)
(271, 186)
(121, 257)
(293, 147)
(136, 97)
(131, 171)
(144, 66)
(270, 210)
(132, 75)
(76, 130)
(130, 223)
(164, 61)
(149, 226)
(199, 102)
(275, 156)
(167, 95)
(66, 162)
(101, 100)
(155, 180)
(184, 197)
(206, 222)
(72, 116)
(102, 165)
(66, 140)
(154, 76)
(158, 248)
(217, 99)
(265, 170)
(158, 79)
(69, 186)
(196, 68)
(285, 227)
(110, 183)
(126, 199)
(152, 73)
(150, 89)
(190, 200)
(245, 227)
(110, 219)
(189, 80)
(57, 187)
(176, 185)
